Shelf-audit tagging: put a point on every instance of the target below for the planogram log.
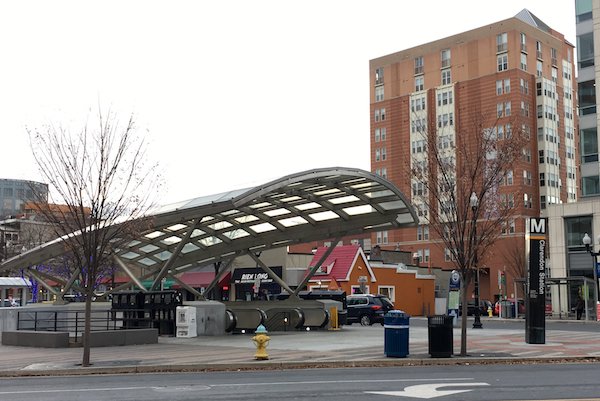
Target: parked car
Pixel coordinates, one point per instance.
(367, 309)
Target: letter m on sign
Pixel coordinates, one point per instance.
(537, 226)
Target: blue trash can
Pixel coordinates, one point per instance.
(395, 323)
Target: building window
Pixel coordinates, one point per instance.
(589, 145)
(379, 93)
(508, 178)
(382, 113)
(418, 65)
(444, 98)
(523, 42)
(524, 86)
(538, 49)
(524, 61)
(379, 76)
(419, 84)
(583, 12)
(587, 97)
(445, 55)
(507, 109)
(539, 68)
(418, 146)
(502, 42)
(382, 237)
(383, 134)
(376, 115)
(387, 291)
(377, 155)
(527, 177)
(446, 77)
(502, 86)
(383, 154)
(502, 62)
(377, 134)
(448, 257)
(527, 201)
(554, 72)
(423, 233)
(553, 56)
(419, 189)
(384, 172)
(585, 50)
(591, 185)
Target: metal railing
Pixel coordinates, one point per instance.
(73, 322)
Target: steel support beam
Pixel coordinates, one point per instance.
(270, 272)
(132, 276)
(316, 267)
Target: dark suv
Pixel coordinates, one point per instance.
(367, 309)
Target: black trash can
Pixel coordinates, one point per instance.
(441, 341)
(395, 323)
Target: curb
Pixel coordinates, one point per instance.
(268, 365)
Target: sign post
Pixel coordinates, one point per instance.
(454, 296)
(535, 316)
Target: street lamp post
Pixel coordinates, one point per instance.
(474, 201)
(587, 241)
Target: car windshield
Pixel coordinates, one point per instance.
(387, 303)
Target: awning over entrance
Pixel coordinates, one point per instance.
(308, 206)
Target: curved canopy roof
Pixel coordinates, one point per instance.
(308, 206)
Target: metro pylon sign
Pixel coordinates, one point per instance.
(535, 316)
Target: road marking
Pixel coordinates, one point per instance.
(427, 391)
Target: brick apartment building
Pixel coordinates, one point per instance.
(516, 71)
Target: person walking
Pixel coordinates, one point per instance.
(579, 306)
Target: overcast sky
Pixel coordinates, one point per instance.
(233, 93)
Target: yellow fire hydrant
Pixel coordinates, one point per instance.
(261, 339)
(490, 311)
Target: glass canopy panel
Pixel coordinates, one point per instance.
(130, 255)
(171, 240)
(154, 234)
(307, 206)
(210, 241)
(133, 243)
(277, 212)
(404, 218)
(260, 205)
(393, 205)
(379, 194)
(220, 225)
(148, 248)
(343, 199)
(290, 199)
(263, 227)
(147, 261)
(206, 218)
(189, 247)
(196, 233)
(176, 227)
(229, 212)
(164, 255)
(293, 221)
(321, 216)
(239, 233)
(363, 185)
(315, 188)
(328, 191)
(356, 210)
(246, 219)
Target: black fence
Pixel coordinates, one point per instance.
(72, 322)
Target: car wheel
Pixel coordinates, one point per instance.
(365, 320)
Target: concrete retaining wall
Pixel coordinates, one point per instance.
(42, 339)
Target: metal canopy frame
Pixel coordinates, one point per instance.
(308, 206)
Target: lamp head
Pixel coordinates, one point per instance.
(587, 241)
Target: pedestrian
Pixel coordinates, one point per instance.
(579, 306)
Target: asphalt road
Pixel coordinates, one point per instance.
(493, 383)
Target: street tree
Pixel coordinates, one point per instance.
(457, 180)
(101, 185)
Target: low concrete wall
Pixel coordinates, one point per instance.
(30, 338)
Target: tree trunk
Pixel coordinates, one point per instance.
(87, 328)
(463, 322)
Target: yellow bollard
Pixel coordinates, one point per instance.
(261, 339)
(334, 322)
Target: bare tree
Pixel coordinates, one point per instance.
(100, 183)
(455, 166)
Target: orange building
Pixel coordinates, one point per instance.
(348, 269)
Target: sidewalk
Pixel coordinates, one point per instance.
(351, 346)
